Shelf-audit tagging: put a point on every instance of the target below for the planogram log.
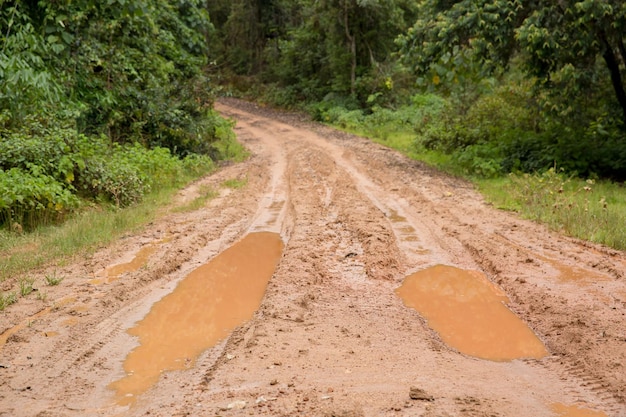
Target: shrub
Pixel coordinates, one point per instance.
(29, 198)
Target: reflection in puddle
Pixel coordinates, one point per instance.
(574, 411)
(469, 314)
(203, 309)
(111, 273)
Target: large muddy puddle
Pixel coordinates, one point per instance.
(203, 309)
(470, 314)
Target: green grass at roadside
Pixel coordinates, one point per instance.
(205, 194)
(586, 209)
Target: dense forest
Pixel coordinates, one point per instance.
(103, 100)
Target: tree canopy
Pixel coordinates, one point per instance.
(573, 48)
(130, 69)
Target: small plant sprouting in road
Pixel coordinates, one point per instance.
(26, 286)
(235, 183)
(42, 296)
(53, 279)
(205, 193)
(7, 299)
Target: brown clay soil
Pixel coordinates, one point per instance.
(331, 336)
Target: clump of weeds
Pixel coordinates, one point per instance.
(7, 299)
(26, 286)
(53, 279)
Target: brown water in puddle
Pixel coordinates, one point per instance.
(562, 410)
(203, 309)
(469, 314)
(111, 273)
(566, 273)
(572, 273)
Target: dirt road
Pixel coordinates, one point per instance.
(331, 337)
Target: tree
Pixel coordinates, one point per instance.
(559, 42)
(131, 69)
(334, 46)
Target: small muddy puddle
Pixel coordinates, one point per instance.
(572, 273)
(4, 337)
(203, 309)
(112, 273)
(469, 314)
(562, 410)
(567, 273)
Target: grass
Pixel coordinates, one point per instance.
(591, 210)
(206, 194)
(26, 286)
(53, 279)
(235, 183)
(7, 299)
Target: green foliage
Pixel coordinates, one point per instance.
(44, 171)
(308, 49)
(26, 286)
(30, 198)
(7, 299)
(506, 130)
(25, 79)
(226, 145)
(572, 51)
(131, 70)
(53, 279)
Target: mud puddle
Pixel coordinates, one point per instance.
(113, 272)
(30, 320)
(203, 309)
(562, 410)
(566, 273)
(469, 313)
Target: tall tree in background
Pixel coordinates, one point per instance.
(574, 49)
(131, 69)
(314, 47)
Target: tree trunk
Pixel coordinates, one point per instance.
(352, 47)
(616, 76)
(622, 51)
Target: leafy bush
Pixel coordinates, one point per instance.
(29, 198)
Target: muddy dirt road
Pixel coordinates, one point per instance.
(331, 335)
